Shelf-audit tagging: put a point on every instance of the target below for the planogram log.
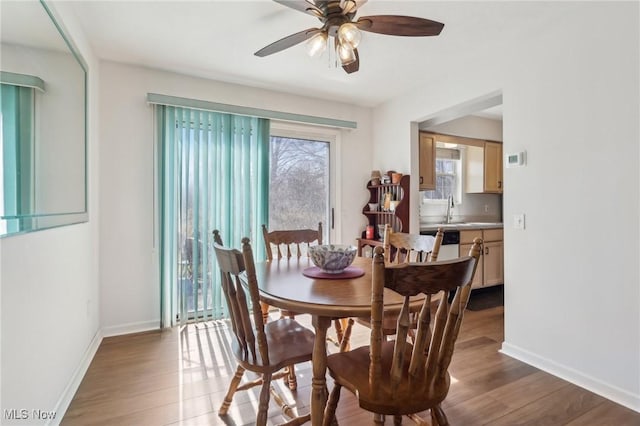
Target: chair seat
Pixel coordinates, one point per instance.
(288, 341)
(389, 323)
(351, 370)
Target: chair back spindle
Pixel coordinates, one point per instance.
(435, 251)
(292, 241)
(249, 335)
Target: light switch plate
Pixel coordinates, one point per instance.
(518, 221)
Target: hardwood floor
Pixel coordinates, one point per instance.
(179, 377)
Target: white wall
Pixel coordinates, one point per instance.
(571, 99)
(49, 285)
(129, 283)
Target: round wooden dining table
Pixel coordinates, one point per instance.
(282, 284)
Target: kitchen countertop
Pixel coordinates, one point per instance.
(461, 226)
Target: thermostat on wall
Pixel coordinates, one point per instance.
(516, 159)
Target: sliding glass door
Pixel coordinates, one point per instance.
(231, 173)
(300, 182)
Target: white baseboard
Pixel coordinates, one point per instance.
(133, 327)
(613, 393)
(67, 395)
(69, 392)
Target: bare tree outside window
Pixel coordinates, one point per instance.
(447, 180)
(299, 187)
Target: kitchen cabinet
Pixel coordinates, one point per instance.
(427, 161)
(492, 167)
(483, 168)
(490, 269)
(482, 164)
(478, 278)
(493, 263)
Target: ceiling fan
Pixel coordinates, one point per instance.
(337, 18)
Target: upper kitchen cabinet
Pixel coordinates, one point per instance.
(492, 167)
(427, 159)
(482, 162)
(483, 167)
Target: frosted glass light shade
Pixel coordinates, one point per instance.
(317, 44)
(346, 53)
(349, 34)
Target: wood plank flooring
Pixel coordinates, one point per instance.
(180, 376)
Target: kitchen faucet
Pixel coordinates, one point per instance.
(450, 207)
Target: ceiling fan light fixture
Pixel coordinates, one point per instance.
(340, 34)
(346, 54)
(348, 33)
(317, 44)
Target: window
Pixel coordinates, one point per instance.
(299, 183)
(300, 169)
(448, 176)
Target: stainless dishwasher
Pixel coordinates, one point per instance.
(450, 243)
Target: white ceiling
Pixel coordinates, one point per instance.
(40, 33)
(216, 39)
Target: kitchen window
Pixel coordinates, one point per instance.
(448, 176)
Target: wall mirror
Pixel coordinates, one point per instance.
(43, 167)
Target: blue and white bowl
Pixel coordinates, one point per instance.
(332, 258)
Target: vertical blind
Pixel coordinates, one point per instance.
(17, 156)
(213, 174)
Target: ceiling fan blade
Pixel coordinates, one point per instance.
(350, 6)
(353, 66)
(302, 6)
(399, 25)
(287, 42)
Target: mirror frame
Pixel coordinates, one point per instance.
(54, 220)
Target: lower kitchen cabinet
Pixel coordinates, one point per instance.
(493, 270)
(490, 269)
(478, 278)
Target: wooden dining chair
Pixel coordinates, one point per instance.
(400, 247)
(266, 349)
(292, 380)
(290, 242)
(397, 377)
(296, 242)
